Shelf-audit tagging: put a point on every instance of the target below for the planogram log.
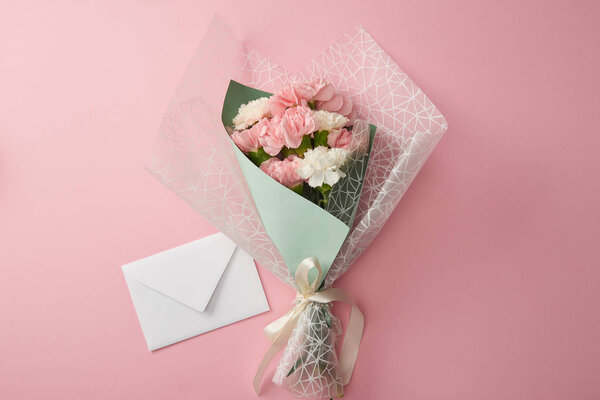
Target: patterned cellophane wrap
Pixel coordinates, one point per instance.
(193, 156)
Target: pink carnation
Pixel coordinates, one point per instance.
(300, 93)
(249, 139)
(325, 93)
(338, 103)
(339, 138)
(272, 137)
(326, 97)
(283, 171)
(308, 91)
(297, 122)
(284, 98)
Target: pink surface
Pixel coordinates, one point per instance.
(483, 285)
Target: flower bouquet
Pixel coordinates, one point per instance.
(301, 170)
(303, 137)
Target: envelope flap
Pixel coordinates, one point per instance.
(188, 273)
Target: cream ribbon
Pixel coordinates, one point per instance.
(278, 332)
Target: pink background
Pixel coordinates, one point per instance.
(483, 284)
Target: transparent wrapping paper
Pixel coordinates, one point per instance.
(309, 365)
(194, 157)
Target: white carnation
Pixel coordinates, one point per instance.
(338, 156)
(251, 112)
(322, 165)
(329, 121)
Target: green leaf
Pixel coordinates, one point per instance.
(311, 194)
(325, 189)
(304, 145)
(326, 316)
(258, 156)
(312, 105)
(298, 189)
(321, 138)
(295, 366)
(287, 152)
(300, 150)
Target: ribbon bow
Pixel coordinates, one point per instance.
(278, 332)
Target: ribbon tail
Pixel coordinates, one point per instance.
(354, 330)
(351, 343)
(275, 328)
(285, 326)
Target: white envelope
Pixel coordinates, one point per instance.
(192, 289)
